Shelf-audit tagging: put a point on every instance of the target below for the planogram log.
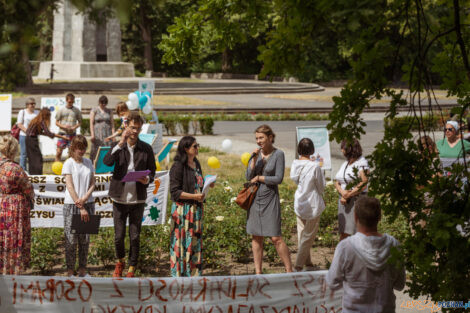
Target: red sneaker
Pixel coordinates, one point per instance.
(130, 274)
(118, 269)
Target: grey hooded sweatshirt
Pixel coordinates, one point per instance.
(360, 267)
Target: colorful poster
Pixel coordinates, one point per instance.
(277, 293)
(49, 200)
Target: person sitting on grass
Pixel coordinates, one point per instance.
(360, 264)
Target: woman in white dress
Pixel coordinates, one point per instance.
(346, 175)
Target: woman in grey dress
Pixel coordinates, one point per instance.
(101, 126)
(266, 167)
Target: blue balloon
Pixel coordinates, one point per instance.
(137, 93)
(142, 101)
(148, 94)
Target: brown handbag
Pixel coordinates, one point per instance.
(246, 196)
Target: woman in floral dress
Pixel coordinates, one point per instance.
(16, 197)
(186, 182)
(101, 126)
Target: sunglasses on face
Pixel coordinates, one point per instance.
(32, 103)
(196, 146)
(449, 129)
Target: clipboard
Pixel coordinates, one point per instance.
(135, 176)
(80, 227)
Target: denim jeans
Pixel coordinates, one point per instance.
(23, 156)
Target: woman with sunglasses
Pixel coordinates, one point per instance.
(25, 117)
(186, 182)
(451, 147)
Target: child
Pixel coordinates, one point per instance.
(360, 264)
(68, 119)
(123, 112)
(80, 183)
(308, 201)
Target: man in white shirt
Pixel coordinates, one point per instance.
(128, 155)
(360, 264)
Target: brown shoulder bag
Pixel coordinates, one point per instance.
(246, 196)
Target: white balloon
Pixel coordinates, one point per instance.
(147, 109)
(227, 145)
(134, 100)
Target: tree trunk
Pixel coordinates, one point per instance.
(147, 38)
(27, 68)
(227, 61)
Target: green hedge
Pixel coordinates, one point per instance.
(180, 124)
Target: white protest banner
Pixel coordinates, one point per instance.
(5, 117)
(304, 292)
(48, 146)
(49, 200)
(321, 142)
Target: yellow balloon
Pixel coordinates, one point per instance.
(157, 164)
(245, 158)
(57, 168)
(213, 162)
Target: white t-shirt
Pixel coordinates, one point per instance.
(345, 175)
(25, 118)
(81, 175)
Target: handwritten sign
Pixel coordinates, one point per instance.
(277, 293)
(49, 200)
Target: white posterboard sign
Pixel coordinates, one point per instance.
(47, 145)
(146, 85)
(320, 138)
(5, 117)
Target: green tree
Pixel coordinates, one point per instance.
(211, 27)
(428, 42)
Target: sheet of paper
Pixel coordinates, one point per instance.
(134, 176)
(209, 179)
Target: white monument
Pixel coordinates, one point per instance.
(83, 48)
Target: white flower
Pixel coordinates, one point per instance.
(169, 221)
(166, 228)
(282, 200)
(219, 218)
(232, 200)
(330, 183)
(228, 189)
(320, 238)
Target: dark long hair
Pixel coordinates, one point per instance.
(185, 143)
(43, 116)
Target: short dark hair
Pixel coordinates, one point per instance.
(305, 147)
(367, 210)
(352, 150)
(69, 95)
(103, 99)
(135, 117)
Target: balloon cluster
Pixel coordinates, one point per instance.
(140, 100)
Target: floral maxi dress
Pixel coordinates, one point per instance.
(16, 196)
(186, 236)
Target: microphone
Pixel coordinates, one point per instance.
(254, 154)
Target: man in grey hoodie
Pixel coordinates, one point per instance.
(360, 264)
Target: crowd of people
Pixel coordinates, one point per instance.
(360, 261)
